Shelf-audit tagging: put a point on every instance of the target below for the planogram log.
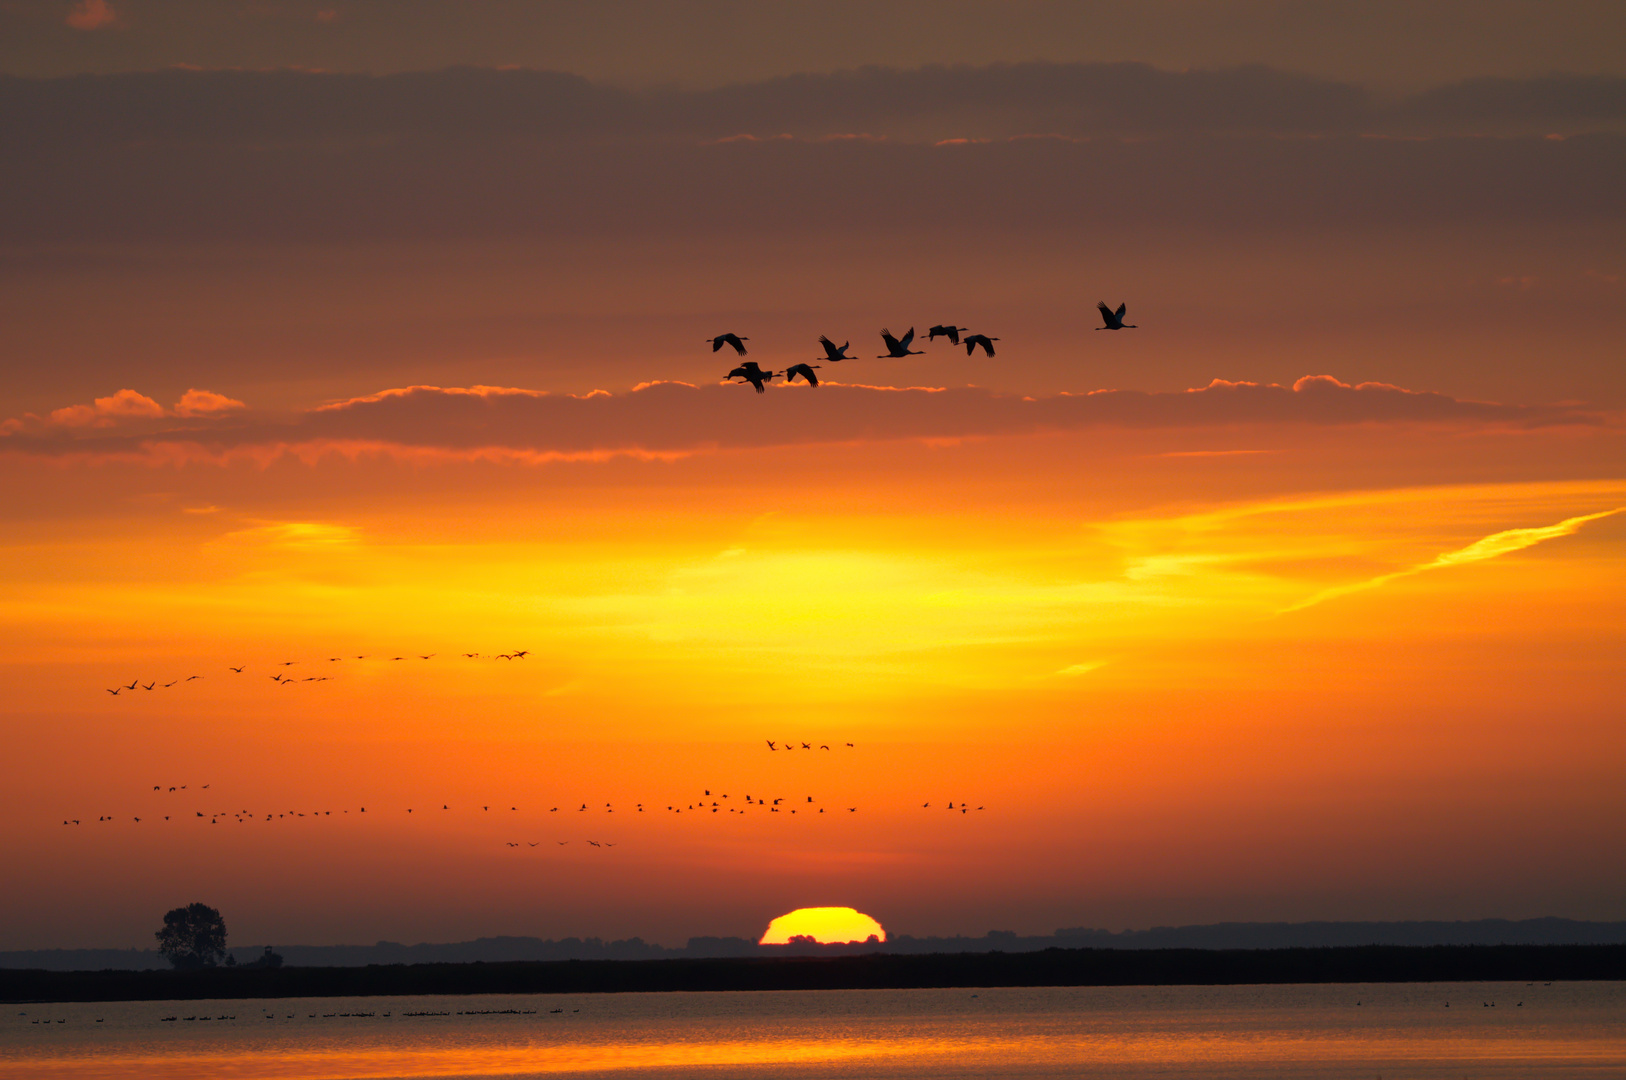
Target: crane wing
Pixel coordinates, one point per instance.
(907, 338)
(891, 342)
(1121, 309)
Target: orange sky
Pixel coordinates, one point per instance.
(1316, 613)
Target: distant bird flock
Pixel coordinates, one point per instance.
(281, 678)
(896, 348)
(707, 803)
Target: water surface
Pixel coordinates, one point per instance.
(1560, 1030)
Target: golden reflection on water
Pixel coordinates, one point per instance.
(1161, 1050)
(883, 1034)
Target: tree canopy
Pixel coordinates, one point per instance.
(193, 936)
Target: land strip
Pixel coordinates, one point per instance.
(1050, 967)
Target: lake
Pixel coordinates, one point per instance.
(1390, 1030)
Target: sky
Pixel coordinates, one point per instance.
(340, 333)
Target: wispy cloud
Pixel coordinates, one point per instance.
(1502, 543)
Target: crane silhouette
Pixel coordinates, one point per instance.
(805, 371)
(951, 332)
(831, 351)
(897, 348)
(729, 339)
(984, 340)
(751, 374)
(1114, 319)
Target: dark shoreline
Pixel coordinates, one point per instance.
(876, 971)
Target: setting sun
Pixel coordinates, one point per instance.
(826, 925)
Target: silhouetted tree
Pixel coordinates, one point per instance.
(193, 937)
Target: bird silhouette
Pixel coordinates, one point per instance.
(1114, 319)
(520, 654)
(805, 371)
(751, 374)
(951, 332)
(832, 352)
(729, 339)
(771, 746)
(115, 692)
(148, 686)
(984, 340)
(132, 686)
(189, 678)
(236, 669)
(897, 348)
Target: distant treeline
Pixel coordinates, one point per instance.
(1309, 935)
(1049, 967)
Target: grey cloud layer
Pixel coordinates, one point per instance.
(210, 156)
(679, 418)
(930, 103)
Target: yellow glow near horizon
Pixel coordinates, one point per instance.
(826, 925)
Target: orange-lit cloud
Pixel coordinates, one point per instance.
(104, 412)
(667, 418)
(126, 405)
(91, 15)
(205, 403)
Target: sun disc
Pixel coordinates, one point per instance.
(826, 925)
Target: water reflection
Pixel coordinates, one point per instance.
(1310, 1031)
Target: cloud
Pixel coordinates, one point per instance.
(288, 155)
(669, 419)
(1072, 670)
(122, 407)
(91, 15)
(1546, 103)
(1502, 543)
(105, 412)
(204, 403)
(925, 105)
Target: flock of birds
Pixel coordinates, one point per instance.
(896, 348)
(282, 678)
(718, 804)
